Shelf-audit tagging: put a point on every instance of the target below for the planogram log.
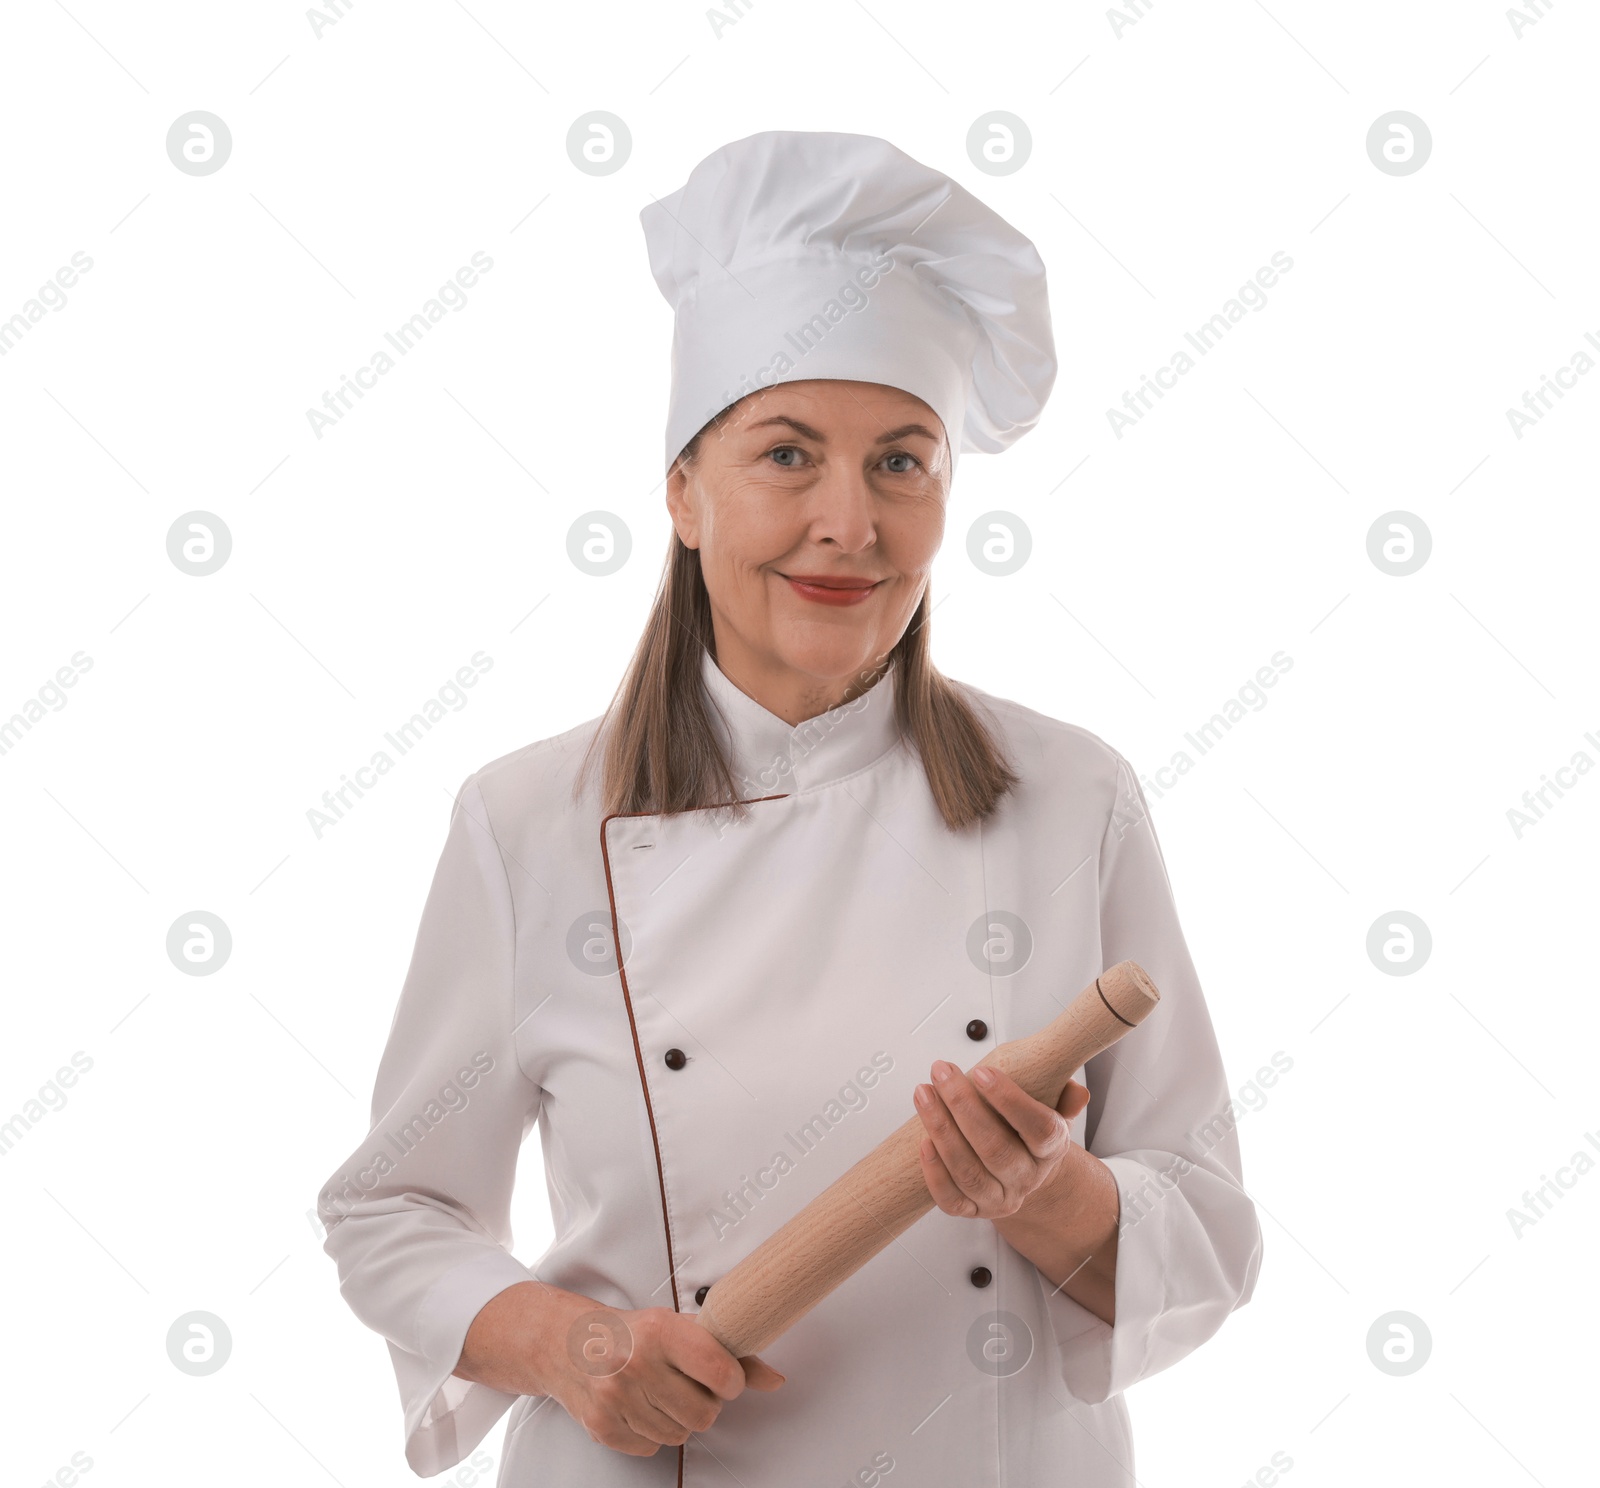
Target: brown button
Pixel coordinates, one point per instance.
(977, 1029)
(700, 1296)
(981, 1276)
(676, 1059)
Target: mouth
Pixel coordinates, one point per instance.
(834, 589)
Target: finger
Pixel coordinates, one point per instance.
(976, 1177)
(703, 1362)
(990, 1124)
(1073, 1099)
(667, 1420)
(1041, 1129)
(614, 1434)
(941, 1186)
(629, 1420)
(685, 1402)
(759, 1375)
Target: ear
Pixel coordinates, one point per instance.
(682, 505)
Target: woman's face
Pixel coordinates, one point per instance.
(839, 482)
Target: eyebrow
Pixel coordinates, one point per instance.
(808, 432)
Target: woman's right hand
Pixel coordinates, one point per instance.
(635, 1379)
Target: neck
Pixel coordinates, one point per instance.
(792, 695)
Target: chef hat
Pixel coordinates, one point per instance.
(790, 255)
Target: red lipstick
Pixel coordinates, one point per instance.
(831, 589)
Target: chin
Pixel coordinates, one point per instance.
(832, 657)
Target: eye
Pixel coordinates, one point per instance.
(903, 455)
(787, 449)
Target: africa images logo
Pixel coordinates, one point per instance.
(852, 296)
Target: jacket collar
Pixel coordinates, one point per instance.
(770, 757)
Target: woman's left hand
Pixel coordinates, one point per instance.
(990, 1147)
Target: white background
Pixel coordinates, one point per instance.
(1169, 162)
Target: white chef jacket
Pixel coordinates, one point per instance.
(785, 983)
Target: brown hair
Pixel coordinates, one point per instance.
(662, 755)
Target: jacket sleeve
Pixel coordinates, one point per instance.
(418, 1216)
(1160, 1117)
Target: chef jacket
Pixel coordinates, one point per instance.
(785, 982)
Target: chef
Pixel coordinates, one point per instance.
(720, 942)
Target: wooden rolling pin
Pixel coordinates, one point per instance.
(849, 1222)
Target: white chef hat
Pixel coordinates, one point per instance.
(789, 255)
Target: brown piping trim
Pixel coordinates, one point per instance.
(638, 1053)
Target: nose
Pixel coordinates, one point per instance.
(840, 509)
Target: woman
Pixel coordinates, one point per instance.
(711, 1010)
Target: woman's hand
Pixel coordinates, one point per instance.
(635, 1379)
(990, 1145)
(993, 1152)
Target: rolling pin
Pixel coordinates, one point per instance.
(854, 1218)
